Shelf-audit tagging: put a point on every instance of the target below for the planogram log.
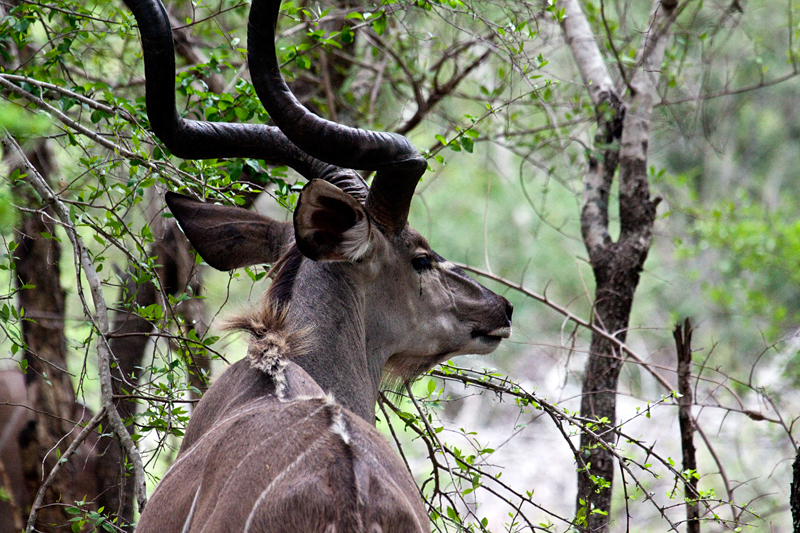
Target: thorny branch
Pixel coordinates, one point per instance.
(503, 386)
(466, 470)
(640, 360)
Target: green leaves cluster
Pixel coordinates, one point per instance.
(759, 273)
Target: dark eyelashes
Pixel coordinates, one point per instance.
(420, 263)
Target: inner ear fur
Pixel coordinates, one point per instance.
(330, 225)
(229, 237)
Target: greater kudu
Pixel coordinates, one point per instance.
(284, 441)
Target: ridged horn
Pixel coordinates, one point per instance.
(398, 163)
(190, 139)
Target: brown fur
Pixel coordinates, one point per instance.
(270, 340)
(312, 466)
(271, 314)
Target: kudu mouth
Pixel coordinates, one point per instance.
(497, 333)
(500, 333)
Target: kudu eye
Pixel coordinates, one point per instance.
(421, 262)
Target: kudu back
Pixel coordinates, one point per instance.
(284, 441)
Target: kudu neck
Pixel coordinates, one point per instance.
(329, 307)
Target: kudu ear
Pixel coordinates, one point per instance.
(330, 225)
(229, 237)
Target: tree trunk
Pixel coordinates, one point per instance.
(794, 495)
(683, 345)
(617, 275)
(50, 390)
(621, 142)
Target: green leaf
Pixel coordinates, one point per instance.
(347, 35)
(379, 24)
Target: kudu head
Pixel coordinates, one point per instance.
(363, 292)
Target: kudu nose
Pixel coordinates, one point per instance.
(508, 308)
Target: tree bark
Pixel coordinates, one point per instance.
(621, 144)
(683, 345)
(794, 496)
(50, 392)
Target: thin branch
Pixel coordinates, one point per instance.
(211, 16)
(557, 415)
(610, 37)
(70, 94)
(624, 349)
(729, 92)
(440, 92)
(609, 336)
(73, 124)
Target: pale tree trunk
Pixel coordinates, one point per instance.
(130, 333)
(53, 423)
(623, 123)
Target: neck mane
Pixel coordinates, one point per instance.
(313, 316)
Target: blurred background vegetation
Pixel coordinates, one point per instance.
(489, 91)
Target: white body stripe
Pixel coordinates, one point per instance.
(239, 465)
(188, 523)
(277, 478)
